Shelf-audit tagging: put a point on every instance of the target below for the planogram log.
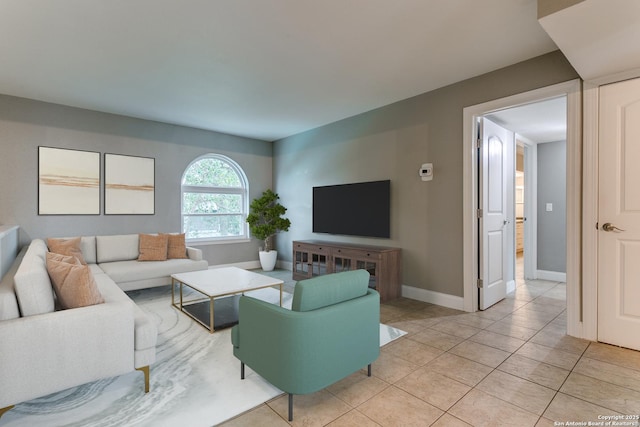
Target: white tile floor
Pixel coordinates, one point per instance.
(511, 365)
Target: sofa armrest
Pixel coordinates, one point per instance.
(194, 253)
(50, 352)
(302, 352)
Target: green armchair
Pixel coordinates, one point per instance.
(331, 331)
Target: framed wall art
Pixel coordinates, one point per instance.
(68, 182)
(129, 185)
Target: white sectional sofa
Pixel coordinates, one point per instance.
(45, 350)
(117, 257)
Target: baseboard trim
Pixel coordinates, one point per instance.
(552, 276)
(285, 265)
(511, 286)
(252, 265)
(425, 295)
(246, 265)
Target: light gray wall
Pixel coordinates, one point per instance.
(391, 143)
(552, 188)
(27, 124)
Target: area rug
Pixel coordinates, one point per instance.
(194, 382)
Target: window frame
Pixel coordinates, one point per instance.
(243, 191)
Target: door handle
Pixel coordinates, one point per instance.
(610, 227)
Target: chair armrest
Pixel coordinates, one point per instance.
(301, 352)
(194, 253)
(50, 352)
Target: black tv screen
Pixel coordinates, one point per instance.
(360, 209)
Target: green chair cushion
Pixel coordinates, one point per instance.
(330, 289)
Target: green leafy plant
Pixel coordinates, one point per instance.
(265, 218)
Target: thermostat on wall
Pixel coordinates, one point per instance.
(426, 171)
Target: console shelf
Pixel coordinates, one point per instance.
(315, 257)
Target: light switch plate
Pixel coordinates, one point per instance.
(549, 207)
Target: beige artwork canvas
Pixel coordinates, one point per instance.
(129, 185)
(68, 182)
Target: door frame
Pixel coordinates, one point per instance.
(572, 90)
(530, 206)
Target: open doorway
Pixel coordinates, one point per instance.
(539, 185)
(572, 91)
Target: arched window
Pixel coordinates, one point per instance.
(214, 200)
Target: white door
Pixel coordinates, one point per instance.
(493, 224)
(619, 215)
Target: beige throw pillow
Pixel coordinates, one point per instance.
(152, 247)
(176, 247)
(73, 282)
(69, 259)
(70, 247)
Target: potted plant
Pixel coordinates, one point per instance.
(265, 220)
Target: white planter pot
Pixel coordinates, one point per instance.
(268, 260)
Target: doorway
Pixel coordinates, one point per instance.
(539, 182)
(503, 215)
(571, 90)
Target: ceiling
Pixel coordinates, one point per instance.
(263, 69)
(599, 37)
(539, 122)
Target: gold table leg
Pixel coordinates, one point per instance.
(173, 292)
(145, 371)
(181, 308)
(211, 328)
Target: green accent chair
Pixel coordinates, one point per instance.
(332, 331)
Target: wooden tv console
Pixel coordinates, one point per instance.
(315, 257)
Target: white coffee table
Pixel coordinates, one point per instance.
(214, 304)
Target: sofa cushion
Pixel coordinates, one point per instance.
(121, 247)
(129, 271)
(329, 289)
(88, 248)
(31, 282)
(109, 290)
(73, 282)
(152, 247)
(176, 246)
(70, 247)
(95, 269)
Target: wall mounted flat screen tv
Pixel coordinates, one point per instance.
(359, 209)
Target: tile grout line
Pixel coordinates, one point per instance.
(563, 382)
(539, 417)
